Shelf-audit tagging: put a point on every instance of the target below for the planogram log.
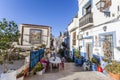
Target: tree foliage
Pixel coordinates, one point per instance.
(9, 33)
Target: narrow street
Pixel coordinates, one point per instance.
(71, 72)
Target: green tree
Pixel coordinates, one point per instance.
(9, 33)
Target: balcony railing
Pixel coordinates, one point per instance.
(86, 19)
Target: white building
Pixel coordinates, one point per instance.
(73, 29)
(99, 28)
(35, 35)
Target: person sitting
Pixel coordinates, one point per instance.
(45, 63)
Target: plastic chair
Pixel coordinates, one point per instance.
(62, 63)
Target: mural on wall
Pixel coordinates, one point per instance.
(107, 49)
(35, 36)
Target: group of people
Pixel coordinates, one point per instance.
(49, 54)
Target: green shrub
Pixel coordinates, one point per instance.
(69, 60)
(77, 53)
(1, 62)
(113, 68)
(43, 46)
(38, 67)
(61, 51)
(94, 60)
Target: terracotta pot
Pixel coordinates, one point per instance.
(114, 76)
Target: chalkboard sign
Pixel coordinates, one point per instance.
(35, 57)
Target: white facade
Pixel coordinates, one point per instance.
(105, 23)
(93, 24)
(44, 31)
(73, 28)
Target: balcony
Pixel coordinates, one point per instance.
(86, 20)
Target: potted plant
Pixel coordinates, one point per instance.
(76, 53)
(20, 76)
(78, 58)
(94, 63)
(43, 46)
(114, 70)
(38, 69)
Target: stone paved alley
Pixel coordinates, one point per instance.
(71, 72)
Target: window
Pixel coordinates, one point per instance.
(106, 14)
(87, 8)
(74, 38)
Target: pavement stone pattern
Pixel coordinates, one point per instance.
(71, 72)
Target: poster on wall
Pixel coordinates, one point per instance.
(35, 36)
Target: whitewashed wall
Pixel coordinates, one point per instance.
(100, 18)
(73, 27)
(81, 3)
(111, 27)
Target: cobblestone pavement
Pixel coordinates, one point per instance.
(71, 72)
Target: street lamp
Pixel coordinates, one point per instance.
(100, 5)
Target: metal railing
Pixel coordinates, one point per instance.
(88, 18)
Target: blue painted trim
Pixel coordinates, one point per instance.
(73, 54)
(100, 58)
(82, 10)
(89, 37)
(35, 57)
(108, 33)
(83, 54)
(90, 1)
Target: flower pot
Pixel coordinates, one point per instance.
(114, 76)
(99, 68)
(20, 78)
(39, 72)
(78, 61)
(94, 67)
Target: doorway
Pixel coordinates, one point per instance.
(88, 51)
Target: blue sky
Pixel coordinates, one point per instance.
(55, 13)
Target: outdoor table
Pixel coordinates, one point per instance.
(54, 60)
